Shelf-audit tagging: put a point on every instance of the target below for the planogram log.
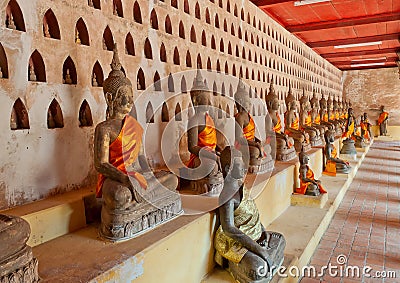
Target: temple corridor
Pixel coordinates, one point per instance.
(366, 227)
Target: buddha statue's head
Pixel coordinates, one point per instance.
(314, 101)
(329, 103)
(242, 99)
(350, 112)
(382, 108)
(303, 157)
(272, 99)
(200, 94)
(335, 104)
(329, 136)
(365, 116)
(232, 163)
(290, 101)
(305, 102)
(117, 89)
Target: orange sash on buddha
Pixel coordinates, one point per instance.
(308, 121)
(343, 116)
(337, 116)
(124, 151)
(330, 167)
(317, 120)
(278, 126)
(325, 117)
(349, 132)
(250, 130)
(382, 117)
(303, 185)
(364, 127)
(332, 117)
(206, 139)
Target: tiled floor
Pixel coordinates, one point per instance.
(365, 231)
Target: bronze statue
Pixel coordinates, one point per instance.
(333, 164)
(383, 121)
(134, 198)
(292, 127)
(242, 244)
(308, 184)
(284, 149)
(306, 121)
(366, 128)
(316, 116)
(17, 263)
(202, 140)
(255, 153)
(324, 114)
(348, 135)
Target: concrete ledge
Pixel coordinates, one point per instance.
(309, 201)
(53, 217)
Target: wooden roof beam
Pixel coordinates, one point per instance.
(358, 53)
(366, 39)
(380, 18)
(265, 3)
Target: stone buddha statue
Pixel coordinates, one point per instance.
(366, 127)
(292, 124)
(383, 121)
(256, 153)
(17, 263)
(308, 184)
(332, 113)
(316, 117)
(333, 164)
(284, 149)
(306, 121)
(242, 244)
(134, 199)
(202, 142)
(348, 135)
(324, 114)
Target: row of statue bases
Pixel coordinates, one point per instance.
(135, 200)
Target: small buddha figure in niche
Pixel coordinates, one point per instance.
(383, 121)
(10, 21)
(129, 189)
(306, 121)
(292, 124)
(255, 153)
(333, 164)
(308, 184)
(202, 140)
(273, 126)
(242, 244)
(366, 128)
(316, 117)
(16, 258)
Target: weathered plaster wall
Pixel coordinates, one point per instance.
(41, 161)
(369, 89)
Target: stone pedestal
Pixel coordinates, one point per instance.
(309, 201)
(348, 148)
(17, 263)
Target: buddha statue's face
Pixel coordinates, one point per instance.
(305, 159)
(315, 105)
(238, 169)
(351, 112)
(243, 102)
(273, 105)
(365, 116)
(306, 105)
(123, 100)
(293, 105)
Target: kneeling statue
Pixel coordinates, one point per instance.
(333, 164)
(243, 246)
(134, 199)
(308, 184)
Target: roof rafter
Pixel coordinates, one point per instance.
(358, 53)
(265, 3)
(387, 17)
(366, 39)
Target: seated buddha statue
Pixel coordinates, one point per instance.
(333, 164)
(202, 142)
(134, 199)
(292, 124)
(332, 113)
(284, 149)
(308, 184)
(256, 154)
(383, 121)
(324, 114)
(306, 121)
(316, 117)
(366, 128)
(242, 244)
(348, 135)
(17, 263)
